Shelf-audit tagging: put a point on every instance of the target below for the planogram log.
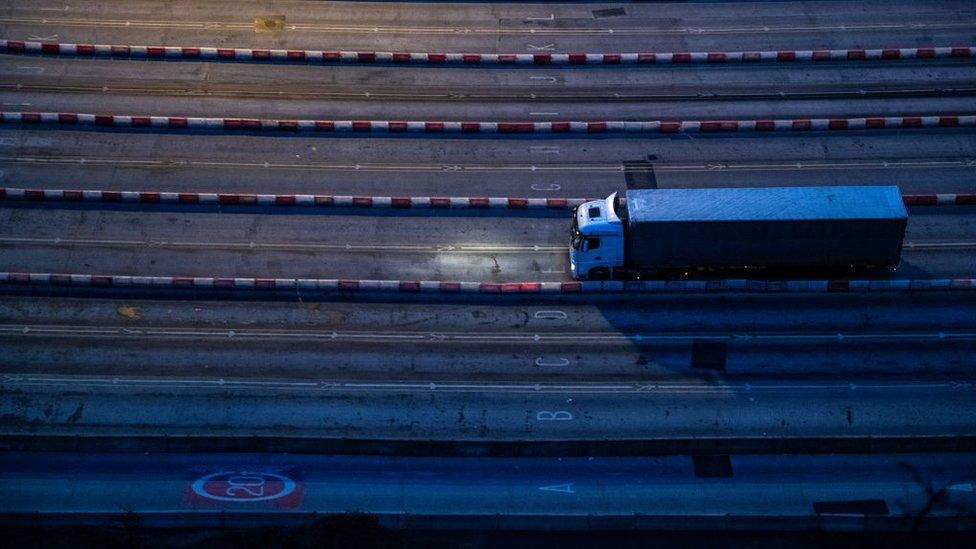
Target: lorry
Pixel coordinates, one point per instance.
(677, 232)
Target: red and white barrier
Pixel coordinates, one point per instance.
(346, 201)
(431, 286)
(437, 127)
(443, 58)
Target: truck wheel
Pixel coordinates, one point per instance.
(598, 273)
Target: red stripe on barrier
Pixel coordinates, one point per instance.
(611, 59)
(155, 51)
(577, 59)
(765, 125)
(821, 55)
(596, 127)
(489, 288)
(875, 123)
(182, 282)
(35, 195)
(801, 124)
(516, 127)
(30, 117)
(911, 122)
(397, 126)
(966, 199)
(189, 198)
(401, 202)
(507, 58)
(472, 127)
(518, 203)
(670, 127)
(260, 54)
(856, 55)
(50, 47)
(150, 197)
(16, 45)
(366, 57)
(925, 53)
(471, 58)
(288, 125)
(433, 126)
(111, 196)
(570, 287)
(786, 56)
(348, 285)
(401, 57)
(362, 201)
(72, 195)
(121, 51)
(960, 52)
(751, 56)
(224, 283)
(176, 122)
(719, 126)
(104, 120)
(440, 202)
(67, 118)
(948, 121)
(296, 55)
(436, 58)
(838, 285)
(556, 203)
(85, 49)
(560, 127)
(328, 56)
(409, 286)
(325, 125)
(324, 200)
(920, 199)
(449, 286)
(647, 58)
(478, 202)
(223, 198)
(60, 279)
(542, 58)
(362, 125)
(101, 280)
(226, 53)
(682, 57)
(285, 200)
(837, 124)
(141, 121)
(190, 52)
(264, 283)
(715, 57)
(891, 53)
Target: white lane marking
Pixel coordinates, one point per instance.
(563, 488)
(31, 69)
(550, 315)
(659, 388)
(559, 415)
(552, 17)
(543, 113)
(548, 79)
(18, 104)
(962, 487)
(557, 363)
(549, 187)
(547, 47)
(544, 149)
(42, 38)
(65, 8)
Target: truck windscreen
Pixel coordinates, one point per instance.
(576, 237)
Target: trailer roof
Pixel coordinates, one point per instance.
(765, 203)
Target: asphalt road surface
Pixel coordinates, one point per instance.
(922, 491)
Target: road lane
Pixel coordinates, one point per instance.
(754, 488)
(348, 244)
(90, 405)
(501, 27)
(918, 163)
